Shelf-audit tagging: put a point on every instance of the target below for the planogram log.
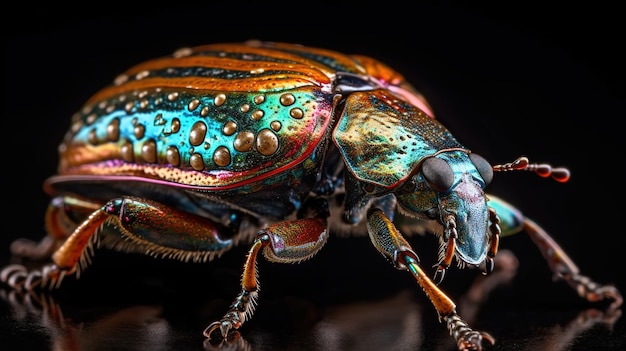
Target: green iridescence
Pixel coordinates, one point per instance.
(384, 141)
(170, 124)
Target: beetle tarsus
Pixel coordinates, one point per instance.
(474, 341)
(14, 276)
(594, 292)
(33, 281)
(21, 279)
(466, 338)
(240, 310)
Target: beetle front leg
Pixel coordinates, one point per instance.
(390, 242)
(283, 242)
(512, 222)
(564, 268)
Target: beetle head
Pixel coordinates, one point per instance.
(449, 188)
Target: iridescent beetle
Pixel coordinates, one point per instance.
(185, 156)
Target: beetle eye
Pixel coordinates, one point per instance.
(483, 167)
(438, 174)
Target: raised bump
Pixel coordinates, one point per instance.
(173, 156)
(197, 133)
(266, 142)
(196, 162)
(244, 141)
(221, 156)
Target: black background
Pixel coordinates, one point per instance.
(507, 81)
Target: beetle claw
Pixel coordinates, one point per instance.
(489, 266)
(223, 326)
(234, 342)
(33, 280)
(21, 279)
(14, 276)
(610, 293)
(474, 340)
(440, 273)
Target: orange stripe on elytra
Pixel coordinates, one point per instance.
(230, 64)
(257, 84)
(341, 59)
(279, 51)
(379, 70)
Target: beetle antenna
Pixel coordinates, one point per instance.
(542, 169)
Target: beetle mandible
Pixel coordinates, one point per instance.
(276, 145)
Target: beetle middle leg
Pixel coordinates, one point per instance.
(390, 242)
(283, 242)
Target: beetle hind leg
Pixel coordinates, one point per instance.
(34, 250)
(127, 224)
(18, 277)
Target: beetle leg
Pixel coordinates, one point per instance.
(243, 306)
(564, 268)
(495, 231)
(66, 255)
(452, 235)
(390, 242)
(59, 224)
(512, 222)
(34, 250)
(141, 226)
(283, 242)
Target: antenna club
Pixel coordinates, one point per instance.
(561, 175)
(543, 170)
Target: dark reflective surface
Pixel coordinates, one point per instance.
(507, 82)
(316, 306)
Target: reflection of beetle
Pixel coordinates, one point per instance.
(190, 154)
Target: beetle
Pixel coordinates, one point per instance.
(276, 145)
